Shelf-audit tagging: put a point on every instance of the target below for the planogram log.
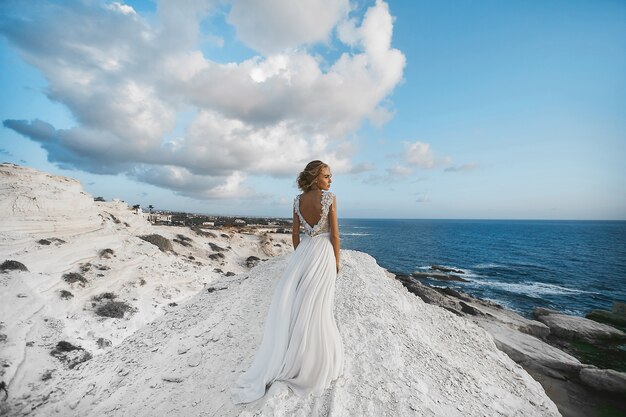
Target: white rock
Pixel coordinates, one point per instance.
(530, 351)
(194, 358)
(574, 327)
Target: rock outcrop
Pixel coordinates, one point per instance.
(577, 328)
(32, 203)
(541, 347)
(604, 379)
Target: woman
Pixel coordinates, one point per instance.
(301, 344)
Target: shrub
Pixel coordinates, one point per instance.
(10, 265)
(104, 296)
(103, 343)
(106, 253)
(216, 248)
(114, 309)
(182, 242)
(50, 240)
(213, 289)
(99, 199)
(66, 295)
(64, 346)
(203, 233)
(252, 261)
(72, 277)
(216, 256)
(159, 241)
(69, 354)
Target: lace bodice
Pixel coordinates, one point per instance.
(322, 225)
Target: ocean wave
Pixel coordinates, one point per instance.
(488, 265)
(355, 234)
(504, 303)
(466, 272)
(532, 289)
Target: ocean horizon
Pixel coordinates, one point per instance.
(573, 266)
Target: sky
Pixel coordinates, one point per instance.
(433, 110)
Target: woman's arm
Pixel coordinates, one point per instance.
(334, 230)
(295, 231)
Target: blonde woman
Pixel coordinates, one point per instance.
(301, 344)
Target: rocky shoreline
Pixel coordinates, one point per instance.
(547, 347)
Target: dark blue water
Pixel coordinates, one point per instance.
(570, 266)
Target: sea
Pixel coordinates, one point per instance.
(569, 266)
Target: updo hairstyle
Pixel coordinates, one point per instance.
(310, 173)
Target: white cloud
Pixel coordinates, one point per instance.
(126, 79)
(196, 186)
(462, 168)
(121, 8)
(270, 26)
(419, 154)
(400, 171)
(347, 32)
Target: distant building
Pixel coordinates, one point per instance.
(158, 218)
(240, 221)
(208, 223)
(179, 218)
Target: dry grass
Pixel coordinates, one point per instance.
(72, 277)
(216, 248)
(114, 309)
(10, 265)
(159, 241)
(203, 233)
(66, 295)
(104, 296)
(106, 253)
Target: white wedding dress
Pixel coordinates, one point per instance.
(301, 344)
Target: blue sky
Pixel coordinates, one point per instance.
(464, 109)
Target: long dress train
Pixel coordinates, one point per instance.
(301, 344)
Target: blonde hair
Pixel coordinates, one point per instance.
(307, 177)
